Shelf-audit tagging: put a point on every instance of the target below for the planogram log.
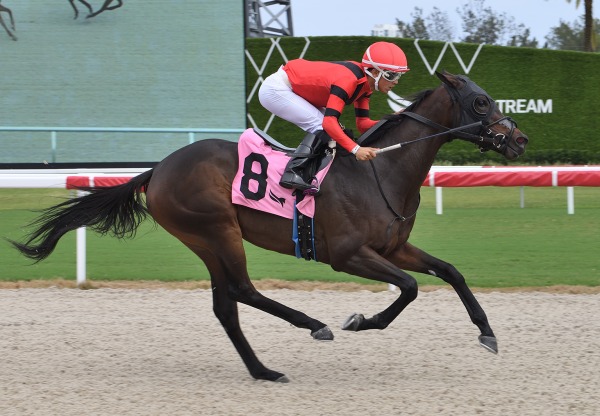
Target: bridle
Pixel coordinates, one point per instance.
(473, 126)
(464, 100)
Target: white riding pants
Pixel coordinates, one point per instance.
(277, 96)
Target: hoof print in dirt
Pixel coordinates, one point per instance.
(352, 323)
(489, 343)
(323, 334)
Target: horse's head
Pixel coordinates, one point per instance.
(497, 133)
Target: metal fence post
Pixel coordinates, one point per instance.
(53, 140)
(522, 197)
(191, 135)
(570, 200)
(81, 249)
(438, 200)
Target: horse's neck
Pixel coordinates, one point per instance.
(411, 164)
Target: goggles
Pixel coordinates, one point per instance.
(390, 75)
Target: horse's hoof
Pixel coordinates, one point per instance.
(323, 334)
(353, 322)
(489, 343)
(282, 379)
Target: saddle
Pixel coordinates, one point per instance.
(272, 142)
(320, 162)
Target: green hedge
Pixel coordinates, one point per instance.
(569, 78)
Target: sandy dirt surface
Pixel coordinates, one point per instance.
(272, 284)
(162, 352)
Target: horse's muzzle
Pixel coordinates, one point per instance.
(522, 140)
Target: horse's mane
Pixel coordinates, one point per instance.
(393, 120)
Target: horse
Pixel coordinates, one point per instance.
(12, 21)
(104, 7)
(189, 195)
(86, 4)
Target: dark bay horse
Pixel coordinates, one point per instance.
(189, 194)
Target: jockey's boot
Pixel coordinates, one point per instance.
(294, 174)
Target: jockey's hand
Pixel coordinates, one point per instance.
(365, 153)
(399, 111)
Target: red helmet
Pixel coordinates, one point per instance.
(385, 56)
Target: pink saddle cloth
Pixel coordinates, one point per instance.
(256, 184)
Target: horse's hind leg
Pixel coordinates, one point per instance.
(227, 312)
(229, 251)
(12, 22)
(411, 258)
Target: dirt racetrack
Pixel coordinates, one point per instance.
(162, 352)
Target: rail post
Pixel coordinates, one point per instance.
(522, 197)
(570, 200)
(53, 141)
(438, 200)
(81, 249)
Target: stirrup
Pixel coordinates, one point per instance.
(316, 191)
(291, 180)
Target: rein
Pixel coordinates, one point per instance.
(498, 141)
(464, 102)
(446, 130)
(387, 149)
(397, 216)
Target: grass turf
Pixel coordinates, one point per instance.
(482, 232)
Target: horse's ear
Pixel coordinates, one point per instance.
(448, 79)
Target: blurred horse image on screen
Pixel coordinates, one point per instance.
(12, 21)
(105, 6)
(356, 230)
(85, 3)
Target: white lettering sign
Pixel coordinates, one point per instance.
(524, 106)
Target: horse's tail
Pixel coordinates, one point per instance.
(115, 210)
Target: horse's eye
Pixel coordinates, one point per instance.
(481, 104)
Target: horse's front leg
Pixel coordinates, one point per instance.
(104, 7)
(86, 4)
(370, 265)
(119, 4)
(74, 9)
(411, 258)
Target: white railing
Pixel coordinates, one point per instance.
(512, 176)
(460, 176)
(54, 130)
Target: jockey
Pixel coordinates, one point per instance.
(312, 95)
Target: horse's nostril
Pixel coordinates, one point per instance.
(521, 140)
